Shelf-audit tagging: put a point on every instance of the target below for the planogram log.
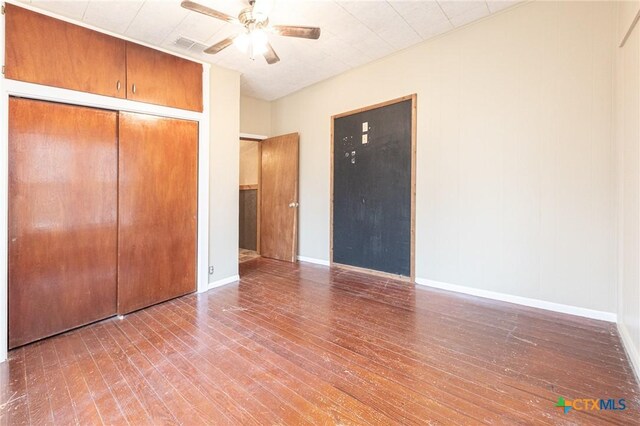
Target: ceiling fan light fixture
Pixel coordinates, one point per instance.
(259, 41)
(253, 42)
(242, 42)
(255, 20)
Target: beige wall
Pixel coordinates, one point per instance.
(249, 162)
(515, 173)
(628, 144)
(255, 116)
(224, 169)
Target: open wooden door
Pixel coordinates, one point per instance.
(279, 198)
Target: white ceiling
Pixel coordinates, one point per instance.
(353, 32)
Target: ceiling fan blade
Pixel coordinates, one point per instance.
(295, 31)
(220, 46)
(270, 55)
(196, 7)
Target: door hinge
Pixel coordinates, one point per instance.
(3, 8)
(3, 70)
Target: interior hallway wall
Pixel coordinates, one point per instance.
(249, 162)
(224, 173)
(255, 116)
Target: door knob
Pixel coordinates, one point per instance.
(293, 205)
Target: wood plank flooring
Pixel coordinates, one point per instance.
(245, 255)
(305, 344)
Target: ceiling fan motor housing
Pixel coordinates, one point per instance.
(248, 19)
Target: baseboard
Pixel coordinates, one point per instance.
(224, 281)
(312, 260)
(519, 300)
(368, 271)
(630, 349)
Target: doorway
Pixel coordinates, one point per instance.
(249, 235)
(268, 199)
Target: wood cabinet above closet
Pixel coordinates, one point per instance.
(159, 78)
(43, 50)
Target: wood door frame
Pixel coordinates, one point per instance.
(257, 139)
(38, 92)
(414, 114)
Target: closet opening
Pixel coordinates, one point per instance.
(249, 198)
(269, 198)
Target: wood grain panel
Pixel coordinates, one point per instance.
(40, 49)
(278, 191)
(62, 217)
(306, 344)
(248, 218)
(157, 210)
(159, 78)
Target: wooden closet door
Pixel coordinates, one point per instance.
(63, 171)
(157, 210)
(40, 49)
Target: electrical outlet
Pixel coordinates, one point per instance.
(210, 270)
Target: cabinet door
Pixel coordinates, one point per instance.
(40, 49)
(159, 78)
(63, 171)
(157, 210)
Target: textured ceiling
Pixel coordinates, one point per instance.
(353, 32)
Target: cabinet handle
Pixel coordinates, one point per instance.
(118, 86)
(133, 88)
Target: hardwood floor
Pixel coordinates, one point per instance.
(245, 255)
(304, 344)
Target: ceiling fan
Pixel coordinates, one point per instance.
(254, 39)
